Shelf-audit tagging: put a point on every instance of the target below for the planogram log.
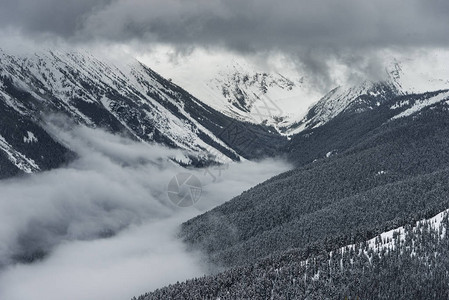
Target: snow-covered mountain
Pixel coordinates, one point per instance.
(401, 78)
(255, 96)
(239, 88)
(343, 99)
(233, 99)
(288, 101)
(128, 98)
(351, 216)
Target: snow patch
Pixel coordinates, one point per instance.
(400, 104)
(30, 138)
(386, 240)
(22, 162)
(421, 104)
(330, 153)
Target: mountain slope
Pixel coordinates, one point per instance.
(407, 263)
(257, 97)
(130, 99)
(405, 77)
(340, 100)
(392, 173)
(242, 90)
(351, 126)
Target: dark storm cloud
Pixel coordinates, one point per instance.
(62, 18)
(315, 34)
(241, 25)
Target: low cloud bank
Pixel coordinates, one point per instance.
(103, 227)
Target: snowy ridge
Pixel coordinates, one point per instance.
(282, 97)
(402, 78)
(120, 96)
(414, 76)
(24, 163)
(242, 90)
(359, 98)
(246, 92)
(420, 104)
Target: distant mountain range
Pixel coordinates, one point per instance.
(248, 93)
(353, 179)
(369, 158)
(342, 225)
(129, 99)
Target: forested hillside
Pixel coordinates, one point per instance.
(408, 263)
(394, 174)
(352, 126)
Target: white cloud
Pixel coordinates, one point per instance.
(115, 186)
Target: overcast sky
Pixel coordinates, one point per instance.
(313, 34)
(238, 24)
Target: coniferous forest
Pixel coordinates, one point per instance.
(410, 263)
(288, 237)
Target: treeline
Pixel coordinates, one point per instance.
(413, 264)
(388, 173)
(396, 175)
